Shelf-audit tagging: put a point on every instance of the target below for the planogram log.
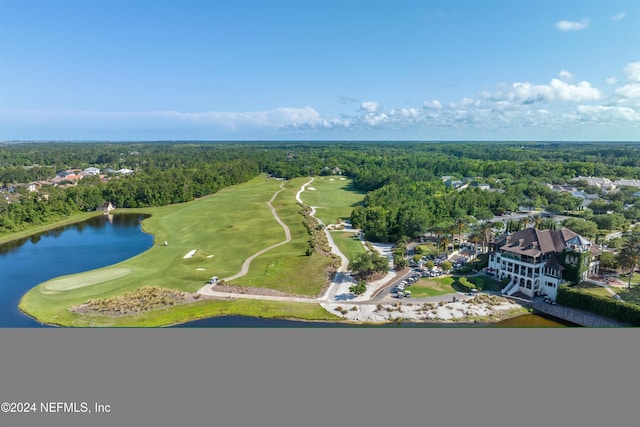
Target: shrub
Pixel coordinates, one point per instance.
(617, 310)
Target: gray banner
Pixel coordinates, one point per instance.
(319, 377)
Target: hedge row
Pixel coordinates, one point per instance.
(609, 307)
(465, 284)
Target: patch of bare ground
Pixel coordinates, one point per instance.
(138, 301)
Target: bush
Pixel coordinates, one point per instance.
(583, 300)
(465, 284)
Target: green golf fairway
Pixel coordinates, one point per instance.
(224, 230)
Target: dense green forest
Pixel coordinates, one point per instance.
(406, 195)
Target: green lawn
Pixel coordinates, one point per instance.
(224, 229)
(484, 283)
(629, 295)
(334, 197)
(595, 289)
(431, 287)
(348, 243)
(280, 267)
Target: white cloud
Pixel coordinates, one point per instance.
(605, 113)
(618, 17)
(370, 106)
(433, 104)
(556, 90)
(573, 25)
(566, 75)
(633, 71)
(629, 91)
(611, 81)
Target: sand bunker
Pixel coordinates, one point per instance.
(311, 188)
(209, 256)
(200, 269)
(190, 254)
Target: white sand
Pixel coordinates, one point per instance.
(209, 256)
(311, 188)
(200, 269)
(417, 311)
(190, 254)
(343, 179)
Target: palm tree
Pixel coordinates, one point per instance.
(460, 225)
(444, 242)
(476, 237)
(535, 220)
(629, 256)
(485, 232)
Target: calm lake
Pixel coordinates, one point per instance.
(95, 243)
(107, 240)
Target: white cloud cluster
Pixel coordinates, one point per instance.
(632, 71)
(556, 90)
(573, 25)
(370, 107)
(522, 108)
(566, 75)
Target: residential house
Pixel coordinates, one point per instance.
(480, 186)
(602, 183)
(627, 182)
(536, 262)
(106, 207)
(92, 171)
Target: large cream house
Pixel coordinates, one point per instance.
(536, 262)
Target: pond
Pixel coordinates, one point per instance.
(100, 241)
(525, 320)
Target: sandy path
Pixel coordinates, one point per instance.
(340, 283)
(245, 266)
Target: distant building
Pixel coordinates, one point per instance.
(536, 262)
(92, 171)
(602, 183)
(627, 182)
(106, 207)
(480, 186)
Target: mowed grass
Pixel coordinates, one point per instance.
(200, 310)
(629, 295)
(595, 289)
(348, 243)
(334, 198)
(432, 287)
(224, 229)
(287, 268)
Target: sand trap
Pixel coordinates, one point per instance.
(311, 188)
(200, 269)
(190, 254)
(331, 179)
(209, 256)
(343, 179)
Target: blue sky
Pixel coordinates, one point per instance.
(320, 70)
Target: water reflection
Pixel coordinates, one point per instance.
(94, 243)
